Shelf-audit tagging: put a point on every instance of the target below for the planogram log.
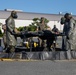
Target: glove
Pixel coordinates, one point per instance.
(67, 37)
(12, 33)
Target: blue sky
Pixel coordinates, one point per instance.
(40, 6)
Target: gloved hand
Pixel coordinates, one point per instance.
(40, 33)
(62, 20)
(67, 37)
(12, 33)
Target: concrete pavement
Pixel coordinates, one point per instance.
(38, 68)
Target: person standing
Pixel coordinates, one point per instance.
(10, 29)
(55, 31)
(4, 36)
(43, 27)
(69, 30)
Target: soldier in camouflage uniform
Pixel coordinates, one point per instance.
(42, 27)
(10, 29)
(69, 30)
(4, 36)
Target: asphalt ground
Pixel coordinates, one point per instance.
(38, 67)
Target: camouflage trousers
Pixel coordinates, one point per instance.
(42, 43)
(10, 49)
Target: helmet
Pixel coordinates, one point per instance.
(67, 15)
(14, 14)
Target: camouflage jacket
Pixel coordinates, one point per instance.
(70, 32)
(10, 26)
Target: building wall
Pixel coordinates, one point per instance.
(57, 23)
(2, 21)
(21, 23)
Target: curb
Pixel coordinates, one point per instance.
(28, 60)
(3, 59)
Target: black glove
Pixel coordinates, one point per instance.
(67, 37)
(40, 33)
(62, 20)
(12, 33)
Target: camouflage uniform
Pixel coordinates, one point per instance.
(70, 34)
(42, 27)
(10, 38)
(71, 42)
(4, 36)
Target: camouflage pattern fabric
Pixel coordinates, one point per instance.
(70, 33)
(10, 26)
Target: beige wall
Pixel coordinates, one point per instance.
(19, 23)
